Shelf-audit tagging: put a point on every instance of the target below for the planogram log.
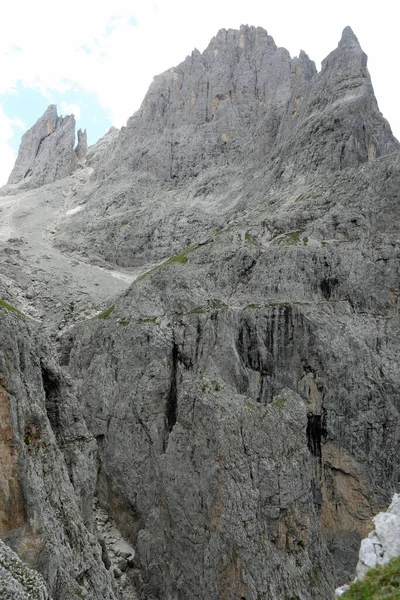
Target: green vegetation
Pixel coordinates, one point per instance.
(10, 308)
(272, 304)
(382, 582)
(217, 304)
(250, 405)
(323, 243)
(106, 313)
(198, 311)
(250, 238)
(147, 320)
(178, 258)
(124, 322)
(213, 386)
(291, 238)
(124, 223)
(305, 240)
(279, 402)
(30, 581)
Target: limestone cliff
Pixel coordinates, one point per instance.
(47, 467)
(236, 409)
(47, 150)
(216, 134)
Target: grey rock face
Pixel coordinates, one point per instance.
(243, 394)
(383, 543)
(81, 147)
(17, 581)
(47, 150)
(180, 383)
(219, 131)
(47, 468)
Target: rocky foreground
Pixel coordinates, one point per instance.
(233, 415)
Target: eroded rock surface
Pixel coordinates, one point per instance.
(242, 395)
(17, 581)
(47, 467)
(47, 151)
(217, 135)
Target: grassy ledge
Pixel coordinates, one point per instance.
(10, 308)
(178, 258)
(382, 582)
(106, 313)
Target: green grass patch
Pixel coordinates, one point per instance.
(279, 402)
(217, 304)
(305, 240)
(106, 313)
(323, 243)
(10, 308)
(215, 385)
(250, 238)
(198, 311)
(147, 320)
(382, 582)
(178, 258)
(291, 238)
(273, 304)
(124, 322)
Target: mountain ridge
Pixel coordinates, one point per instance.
(235, 410)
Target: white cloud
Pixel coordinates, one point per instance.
(71, 109)
(7, 154)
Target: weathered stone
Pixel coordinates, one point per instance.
(17, 581)
(47, 151)
(244, 393)
(47, 470)
(383, 543)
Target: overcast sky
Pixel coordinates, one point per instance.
(97, 59)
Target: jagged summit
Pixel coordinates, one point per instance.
(244, 105)
(235, 412)
(46, 152)
(348, 36)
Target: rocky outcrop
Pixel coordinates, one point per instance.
(383, 543)
(244, 396)
(243, 393)
(217, 133)
(47, 151)
(81, 147)
(47, 468)
(17, 581)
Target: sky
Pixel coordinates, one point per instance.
(96, 60)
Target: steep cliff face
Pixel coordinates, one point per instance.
(47, 151)
(47, 468)
(244, 397)
(241, 396)
(216, 134)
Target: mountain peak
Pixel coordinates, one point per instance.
(348, 36)
(46, 152)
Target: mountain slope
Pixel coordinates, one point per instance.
(243, 391)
